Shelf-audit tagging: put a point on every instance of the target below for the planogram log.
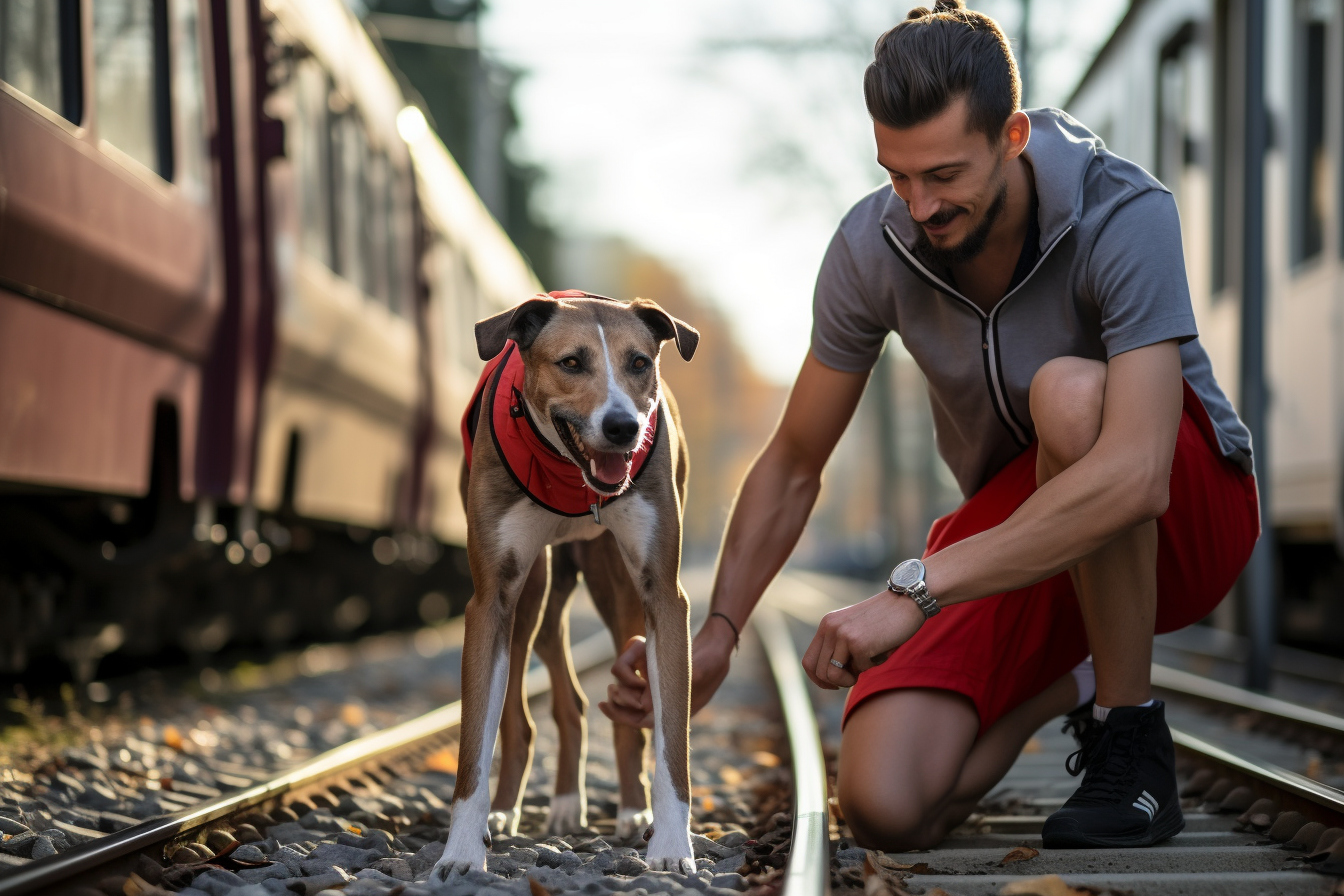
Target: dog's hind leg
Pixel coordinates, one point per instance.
(516, 731)
(614, 595)
(569, 706)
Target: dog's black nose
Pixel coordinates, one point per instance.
(620, 429)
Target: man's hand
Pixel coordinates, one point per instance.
(860, 637)
(628, 698)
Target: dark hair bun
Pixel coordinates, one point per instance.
(920, 12)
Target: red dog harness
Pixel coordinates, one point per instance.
(545, 475)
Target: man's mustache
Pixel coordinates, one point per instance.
(939, 218)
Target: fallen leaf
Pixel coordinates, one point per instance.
(1051, 885)
(444, 760)
(537, 888)
(352, 715)
(730, 776)
(1019, 854)
(765, 758)
(875, 882)
(172, 737)
(1033, 746)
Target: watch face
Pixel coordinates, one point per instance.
(905, 576)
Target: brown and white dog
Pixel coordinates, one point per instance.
(586, 396)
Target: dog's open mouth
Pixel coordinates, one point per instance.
(607, 472)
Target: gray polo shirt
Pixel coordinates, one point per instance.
(1110, 278)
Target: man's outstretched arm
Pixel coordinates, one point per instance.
(768, 516)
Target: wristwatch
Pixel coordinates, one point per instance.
(908, 579)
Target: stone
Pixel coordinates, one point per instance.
(370, 842)
(547, 856)
(703, 846)
(395, 868)
(12, 827)
(730, 881)
(323, 821)
(246, 833)
(629, 866)
(424, 860)
(248, 853)
(273, 871)
(43, 847)
(732, 839)
(219, 840)
(341, 855)
(217, 881)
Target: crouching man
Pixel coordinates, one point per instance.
(1038, 282)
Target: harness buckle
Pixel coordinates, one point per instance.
(596, 509)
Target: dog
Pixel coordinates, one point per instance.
(577, 464)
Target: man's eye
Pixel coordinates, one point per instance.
(944, 178)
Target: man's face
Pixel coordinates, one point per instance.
(950, 176)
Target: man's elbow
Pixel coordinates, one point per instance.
(1147, 494)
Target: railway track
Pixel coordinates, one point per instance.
(754, 830)
(1252, 825)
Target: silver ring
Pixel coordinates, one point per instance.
(837, 664)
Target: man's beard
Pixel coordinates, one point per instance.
(972, 244)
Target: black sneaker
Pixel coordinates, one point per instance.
(1082, 727)
(1128, 796)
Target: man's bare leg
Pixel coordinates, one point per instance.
(911, 768)
(1117, 584)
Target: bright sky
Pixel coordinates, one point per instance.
(728, 136)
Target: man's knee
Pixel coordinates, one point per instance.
(882, 820)
(1066, 402)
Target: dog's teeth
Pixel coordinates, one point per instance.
(592, 465)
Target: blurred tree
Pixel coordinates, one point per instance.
(468, 98)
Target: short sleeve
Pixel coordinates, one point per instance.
(847, 334)
(1136, 275)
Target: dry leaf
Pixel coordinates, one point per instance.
(1033, 746)
(765, 758)
(730, 776)
(442, 761)
(1051, 885)
(536, 888)
(352, 715)
(1019, 854)
(875, 883)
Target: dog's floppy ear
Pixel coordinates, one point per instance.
(665, 326)
(521, 324)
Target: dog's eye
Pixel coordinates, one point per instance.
(640, 364)
(570, 363)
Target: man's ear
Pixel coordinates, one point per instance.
(521, 324)
(665, 326)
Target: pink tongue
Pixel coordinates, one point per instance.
(611, 468)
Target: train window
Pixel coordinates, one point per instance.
(1310, 165)
(124, 88)
(375, 222)
(310, 147)
(191, 157)
(347, 161)
(401, 234)
(40, 52)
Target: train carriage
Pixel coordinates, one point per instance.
(232, 298)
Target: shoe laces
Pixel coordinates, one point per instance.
(1084, 729)
(1109, 757)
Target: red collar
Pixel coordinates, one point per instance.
(545, 475)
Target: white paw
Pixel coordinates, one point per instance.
(631, 823)
(460, 857)
(569, 813)
(671, 851)
(503, 822)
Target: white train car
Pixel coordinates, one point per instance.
(1167, 90)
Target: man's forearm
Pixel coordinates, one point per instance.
(766, 521)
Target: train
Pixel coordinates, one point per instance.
(238, 277)
(1167, 90)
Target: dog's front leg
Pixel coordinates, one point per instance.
(650, 543)
(498, 568)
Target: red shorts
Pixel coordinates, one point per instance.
(1004, 649)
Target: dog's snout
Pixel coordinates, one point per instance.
(620, 429)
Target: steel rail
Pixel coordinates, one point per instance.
(42, 875)
(808, 872)
(1190, 685)
(1317, 801)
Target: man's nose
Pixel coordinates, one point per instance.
(923, 204)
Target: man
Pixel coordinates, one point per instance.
(1038, 281)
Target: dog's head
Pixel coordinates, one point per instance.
(591, 374)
